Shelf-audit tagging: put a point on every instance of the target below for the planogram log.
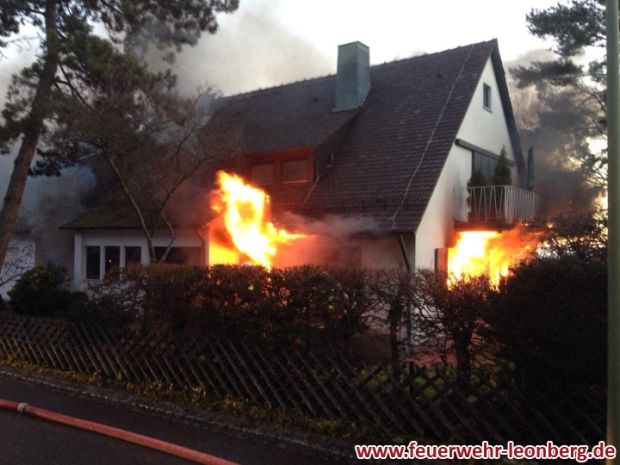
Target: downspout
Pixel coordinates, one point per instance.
(403, 250)
(303, 204)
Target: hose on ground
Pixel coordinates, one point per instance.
(117, 433)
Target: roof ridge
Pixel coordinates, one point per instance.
(276, 86)
(325, 76)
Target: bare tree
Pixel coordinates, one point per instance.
(15, 263)
(152, 139)
(452, 316)
(65, 29)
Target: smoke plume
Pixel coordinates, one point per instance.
(252, 49)
(553, 135)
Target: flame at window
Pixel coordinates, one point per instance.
(242, 231)
(489, 253)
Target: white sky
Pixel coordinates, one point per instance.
(268, 42)
(397, 28)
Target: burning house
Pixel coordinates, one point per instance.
(371, 167)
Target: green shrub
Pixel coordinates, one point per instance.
(300, 306)
(41, 292)
(102, 311)
(549, 320)
(502, 175)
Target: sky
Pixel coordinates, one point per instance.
(268, 42)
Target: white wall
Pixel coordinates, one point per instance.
(122, 238)
(383, 252)
(487, 128)
(484, 128)
(19, 258)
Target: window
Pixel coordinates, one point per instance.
(485, 165)
(181, 255)
(295, 170)
(112, 258)
(486, 96)
(133, 255)
(263, 173)
(93, 258)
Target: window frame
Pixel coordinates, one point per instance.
(107, 269)
(296, 181)
(124, 261)
(487, 172)
(99, 264)
(279, 159)
(487, 97)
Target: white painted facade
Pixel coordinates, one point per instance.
(122, 239)
(485, 128)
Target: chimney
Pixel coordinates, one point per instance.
(353, 78)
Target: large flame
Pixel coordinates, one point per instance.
(242, 229)
(489, 253)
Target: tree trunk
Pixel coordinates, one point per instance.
(32, 131)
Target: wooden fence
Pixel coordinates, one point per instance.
(412, 403)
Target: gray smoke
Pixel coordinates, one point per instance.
(560, 181)
(48, 203)
(251, 49)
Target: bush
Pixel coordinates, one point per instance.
(300, 306)
(101, 312)
(452, 316)
(549, 320)
(41, 292)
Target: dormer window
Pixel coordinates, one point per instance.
(486, 96)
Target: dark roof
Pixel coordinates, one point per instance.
(278, 118)
(387, 155)
(392, 152)
(106, 217)
(115, 216)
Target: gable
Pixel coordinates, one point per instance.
(398, 143)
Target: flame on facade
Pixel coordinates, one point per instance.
(242, 232)
(489, 253)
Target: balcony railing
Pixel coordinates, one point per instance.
(499, 204)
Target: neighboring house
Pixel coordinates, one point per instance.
(20, 257)
(396, 142)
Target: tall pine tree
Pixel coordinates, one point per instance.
(35, 95)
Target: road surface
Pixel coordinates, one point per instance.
(30, 441)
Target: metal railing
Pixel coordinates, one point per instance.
(499, 204)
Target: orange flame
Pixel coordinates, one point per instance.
(489, 253)
(243, 227)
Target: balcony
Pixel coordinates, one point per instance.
(497, 206)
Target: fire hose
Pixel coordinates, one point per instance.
(128, 436)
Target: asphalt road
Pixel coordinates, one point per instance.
(30, 441)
